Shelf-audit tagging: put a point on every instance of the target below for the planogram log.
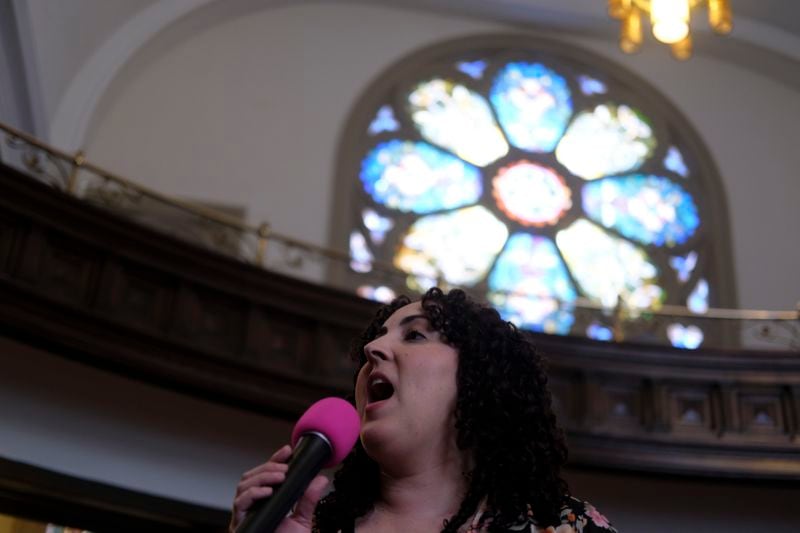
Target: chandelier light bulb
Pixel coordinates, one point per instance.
(670, 20)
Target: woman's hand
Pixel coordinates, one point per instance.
(261, 481)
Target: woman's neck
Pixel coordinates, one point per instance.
(437, 490)
(426, 494)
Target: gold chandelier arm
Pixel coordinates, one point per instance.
(630, 38)
(682, 50)
(619, 9)
(720, 16)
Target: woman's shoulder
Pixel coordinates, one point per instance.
(580, 517)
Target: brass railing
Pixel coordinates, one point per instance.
(258, 244)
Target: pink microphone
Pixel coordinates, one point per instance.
(322, 438)
(335, 420)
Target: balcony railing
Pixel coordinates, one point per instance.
(257, 244)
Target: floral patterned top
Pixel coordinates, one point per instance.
(576, 517)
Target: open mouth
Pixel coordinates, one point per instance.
(379, 389)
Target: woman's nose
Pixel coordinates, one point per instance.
(375, 351)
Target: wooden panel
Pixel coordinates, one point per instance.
(762, 412)
(689, 410)
(8, 234)
(331, 358)
(569, 402)
(210, 318)
(137, 296)
(278, 341)
(617, 406)
(67, 269)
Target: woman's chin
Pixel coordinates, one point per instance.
(376, 436)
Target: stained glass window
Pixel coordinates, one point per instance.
(533, 181)
(533, 105)
(608, 268)
(531, 194)
(530, 285)
(647, 209)
(606, 140)
(457, 247)
(384, 121)
(454, 117)
(684, 265)
(360, 256)
(689, 337)
(418, 177)
(376, 225)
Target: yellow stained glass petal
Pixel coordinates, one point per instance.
(608, 267)
(458, 119)
(457, 247)
(608, 140)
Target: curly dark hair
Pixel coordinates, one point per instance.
(503, 416)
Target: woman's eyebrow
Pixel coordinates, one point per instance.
(411, 318)
(405, 320)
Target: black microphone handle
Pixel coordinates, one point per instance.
(311, 453)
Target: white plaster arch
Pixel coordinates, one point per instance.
(70, 123)
(71, 119)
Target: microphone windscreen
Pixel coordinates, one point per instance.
(335, 418)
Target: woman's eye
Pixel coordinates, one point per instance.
(414, 335)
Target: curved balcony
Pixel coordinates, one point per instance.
(93, 285)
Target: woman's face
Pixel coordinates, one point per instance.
(406, 391)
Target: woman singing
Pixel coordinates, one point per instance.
(457, 434)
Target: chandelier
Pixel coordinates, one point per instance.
(669, 20)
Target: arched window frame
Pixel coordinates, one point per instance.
(712, 239)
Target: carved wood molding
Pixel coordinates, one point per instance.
(83, 283)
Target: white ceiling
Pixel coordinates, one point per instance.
(63, 42)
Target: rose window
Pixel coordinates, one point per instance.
(531, 180)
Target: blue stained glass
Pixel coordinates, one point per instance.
(674, 162)
(360, 256)
(599, 332)
(590, 86)
(646, 208)
(416, 177)
(377, 225)
(688, 337)
(533, 105)
(473, 69)
(698, 300)
(384, 121)
(529, 285)
(381, 293)
(684, 265)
